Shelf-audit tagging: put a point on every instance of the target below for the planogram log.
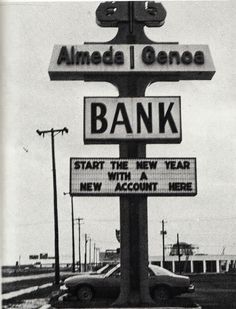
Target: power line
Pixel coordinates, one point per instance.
(104, 220)
(197, 219)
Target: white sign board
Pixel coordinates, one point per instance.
(148, 119)
(161, 61)
(115, 177)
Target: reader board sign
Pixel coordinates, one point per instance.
(143, 176)
(147, 119)
(159, 61)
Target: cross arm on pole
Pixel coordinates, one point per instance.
(43, 132)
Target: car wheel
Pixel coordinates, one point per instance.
(161, 294)
(84, 293)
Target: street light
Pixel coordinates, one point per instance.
(73, 231)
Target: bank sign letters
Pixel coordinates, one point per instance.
(125, 119)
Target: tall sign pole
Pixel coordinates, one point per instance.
(131, 62)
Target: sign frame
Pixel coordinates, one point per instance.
(147, 140)
(151, 194)
(162, 72)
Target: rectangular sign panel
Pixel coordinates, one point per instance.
(161, 61)
(115, 177)
(148, 119)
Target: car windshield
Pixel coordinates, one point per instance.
(112, 270)
(105, 269)
(159, 271)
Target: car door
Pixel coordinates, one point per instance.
(152, 279)
(111, 284)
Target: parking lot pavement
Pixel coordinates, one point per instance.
(205, 298)
(70, 302)
(29, 304)
(215, 298)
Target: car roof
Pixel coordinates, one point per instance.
(157, 270)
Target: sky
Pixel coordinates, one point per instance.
(30, 101)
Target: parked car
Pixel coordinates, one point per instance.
(163, 284)
(103, 270)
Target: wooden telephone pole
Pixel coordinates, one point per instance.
(53, 133)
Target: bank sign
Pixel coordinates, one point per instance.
(115, 176)
(161, 61)
(117, 119)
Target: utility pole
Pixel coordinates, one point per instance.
(79, 238)
(163, 233)
(90, 256)
(53, 133)
(85, 251)
(94, 254)
(178, 252)
(96, 258)
(97, 255)
(73, 232)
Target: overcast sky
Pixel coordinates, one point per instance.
(30, 101)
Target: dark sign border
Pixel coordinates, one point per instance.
(88, 141)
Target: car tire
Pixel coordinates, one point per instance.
(161, 294)
(84, 293)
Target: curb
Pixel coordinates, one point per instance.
(14, 294)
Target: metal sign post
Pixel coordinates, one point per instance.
(131, 62)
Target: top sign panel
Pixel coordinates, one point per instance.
(160, 61)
